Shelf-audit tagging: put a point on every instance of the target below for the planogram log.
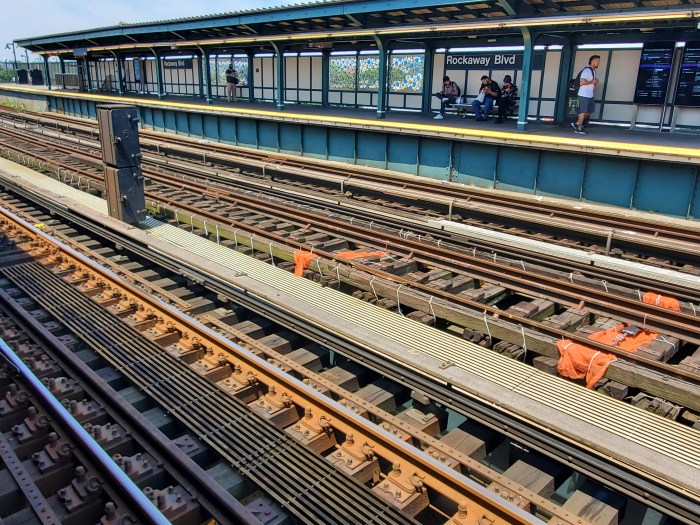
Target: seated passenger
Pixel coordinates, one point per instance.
(448, 95)
(509, 97)
(489, 93)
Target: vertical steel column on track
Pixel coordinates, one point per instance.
(381, 89)
(279, 63)
(428, 62)
(524, 108)
(325, 76)
(251, 78)
(561, 108)
(159, 74)
(47, 72)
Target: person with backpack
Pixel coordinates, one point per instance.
(231, 83)
(587, 81)
(489, 94)
(448, 95)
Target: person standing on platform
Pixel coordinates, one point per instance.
(231, 83)
(488, 95)
(586, 98)
(448, 95)
(509, 96)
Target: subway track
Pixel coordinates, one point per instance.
(607, 299)
(486, 209)
(245, 438)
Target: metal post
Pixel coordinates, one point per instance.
(428, 62)
(88, 76)
(26, 56)
(159, 74)
(62, 65)
(561, 104)
(527, 77)
(120, 74)
(251, 76)
(200, 74)
(325, 76)
(47, 72)
(381, 93)
(279, 55)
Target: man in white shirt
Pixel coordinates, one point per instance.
(586, 98)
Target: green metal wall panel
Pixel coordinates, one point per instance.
(434, 158)
(517, 169)
(290, 138)
(247, 132)
(210, 127)
(169, 121)
(314, 141)
(371, 149)
(159, 120)
(402, 154)
(668, 190)
(474, 163)
(560, 174)
(181, 123)
(195, 124)
(341, 145)
(227, 130)
(268, 135)
(610, 180)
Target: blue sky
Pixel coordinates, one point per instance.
(27, 18)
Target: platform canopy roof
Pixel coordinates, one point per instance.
(409, 22)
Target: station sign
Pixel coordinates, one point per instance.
(688, 89)
(491, 60)
(180, 63)
(654, 73)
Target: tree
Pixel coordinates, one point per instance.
(5, 75)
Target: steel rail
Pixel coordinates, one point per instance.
(658, 496)
(637, 312)
(456, 195)
(132, 493)
(159, 375)
(223, 507)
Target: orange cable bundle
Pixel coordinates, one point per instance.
(619, 339)
(663, 301)
(578, 361)
(302, 260)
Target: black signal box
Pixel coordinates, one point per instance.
(119, 135)
(125, 194)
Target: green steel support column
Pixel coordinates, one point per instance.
(528, 41)
(279, 55)
(47, 72)
(159, 74)
(88, 76)
(63, 71)
(428, 78)
(251, 76)
(120, 74)
(200, 75)
(325, 76)
(565, 65)
(381, 93)
(97, 76)
(205, 75)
